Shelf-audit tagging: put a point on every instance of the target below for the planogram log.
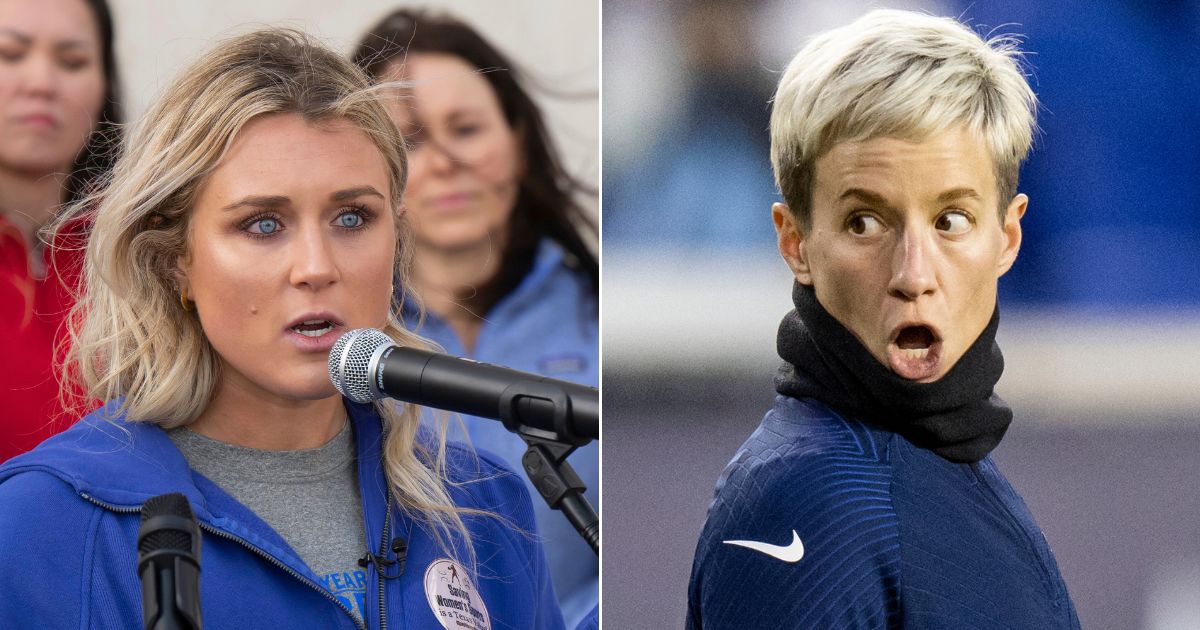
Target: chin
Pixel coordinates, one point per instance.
(308, 389)
(459, 242)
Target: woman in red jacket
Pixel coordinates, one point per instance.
(58, 124)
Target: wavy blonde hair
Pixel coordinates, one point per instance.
(905, 75)
(129, 329)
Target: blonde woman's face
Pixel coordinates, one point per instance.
(291, 243)
(51, 83)
(906, 246)
(464, 161)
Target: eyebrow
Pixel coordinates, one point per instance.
(877, 199)
(864, 195)
(957, 193)
(351, 193)
(17, 35)
(275, 201)
(26, 40)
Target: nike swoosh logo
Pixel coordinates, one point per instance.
(787, 553)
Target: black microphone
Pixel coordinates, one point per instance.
(367, 365)
(169, 564)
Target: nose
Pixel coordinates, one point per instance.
(314, 261)
(439, 159)
(40, 75)
(913, 272)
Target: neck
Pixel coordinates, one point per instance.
(958, 416)
(444, 277)
(29, 201)
(246, 418)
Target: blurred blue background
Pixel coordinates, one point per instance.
(1101, 314)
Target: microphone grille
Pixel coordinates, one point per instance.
(349, 363)
(165, 536)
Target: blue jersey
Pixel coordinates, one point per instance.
(547, 325)
(822, 521)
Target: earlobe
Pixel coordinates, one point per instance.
(791, 242)
(1012, 232)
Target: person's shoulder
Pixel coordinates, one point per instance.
(31, 490)
(805, 507)
(481, 479)
(51, 536)
(803, 448)
(555, 280)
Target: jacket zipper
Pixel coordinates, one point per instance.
(266, 556)
(383, 549)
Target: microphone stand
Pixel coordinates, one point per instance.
(545, 459)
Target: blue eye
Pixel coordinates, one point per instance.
(265, 225)
(350, 219)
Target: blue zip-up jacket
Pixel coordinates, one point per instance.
(867, 531)
(69, 515)
(547, 325)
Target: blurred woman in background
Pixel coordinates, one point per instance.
(504, 251)
(253, 219)
(58, 124)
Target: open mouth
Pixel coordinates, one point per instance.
(314, 327)
(915, 342)
(915, 352)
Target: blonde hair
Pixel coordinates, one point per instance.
(905, 75)
(129, 329)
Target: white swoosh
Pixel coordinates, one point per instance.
(787, 553)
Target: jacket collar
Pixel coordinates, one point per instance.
(546, 263)
(122, 463)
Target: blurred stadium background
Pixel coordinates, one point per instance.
(1101, 315)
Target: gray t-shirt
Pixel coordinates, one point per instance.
(310, 497)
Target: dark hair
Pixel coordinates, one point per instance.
(545, 205)
(99, 151)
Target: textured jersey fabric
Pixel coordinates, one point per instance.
(547, 325)
(310, 497)
(893, 536)
(69, 516)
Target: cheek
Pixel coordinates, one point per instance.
(226, 287)
(368, 270)
(499, 163)
(849, 282)
(417, 169)
(83, 98)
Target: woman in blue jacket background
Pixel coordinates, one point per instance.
(255, 217)
(504, 249)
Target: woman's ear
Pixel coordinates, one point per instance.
(791, 242)
(1012, 233)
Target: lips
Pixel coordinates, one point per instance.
(315, 331)
(310, 322)
(915, 351)
(450, 201)
(47, 121)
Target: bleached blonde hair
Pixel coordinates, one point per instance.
(131, 339)
(904, 75)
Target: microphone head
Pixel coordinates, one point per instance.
(350, 363)
(168, 524)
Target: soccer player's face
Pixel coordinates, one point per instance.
(906, 246)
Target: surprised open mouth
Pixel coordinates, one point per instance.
(915, 353)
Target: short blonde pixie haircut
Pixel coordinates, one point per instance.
(903, 75)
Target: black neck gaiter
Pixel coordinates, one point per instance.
(959, 416)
